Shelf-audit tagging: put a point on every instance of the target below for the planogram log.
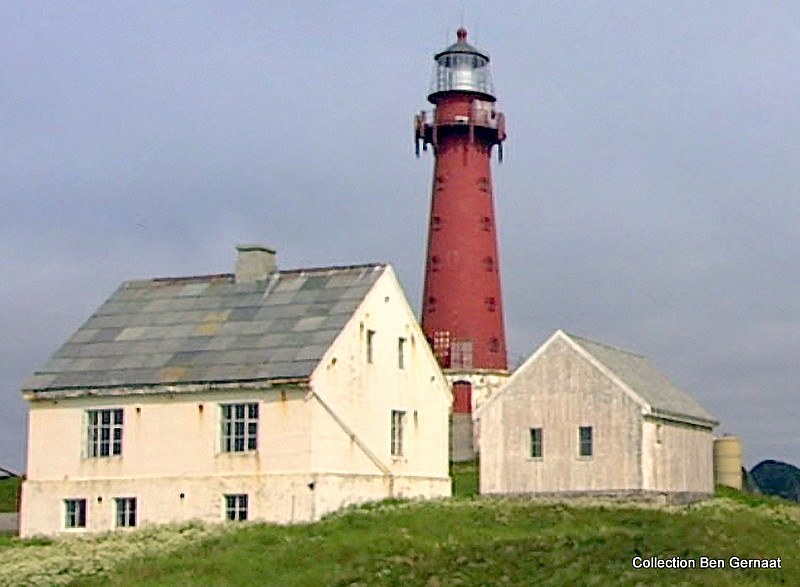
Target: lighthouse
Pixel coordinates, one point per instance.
(462, 308)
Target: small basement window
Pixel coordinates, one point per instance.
(126, 512)
(75, 513)
(236, 507)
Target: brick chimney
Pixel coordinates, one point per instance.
(254, 263)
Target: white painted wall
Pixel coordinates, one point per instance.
(560, 392)
(677, 457)
(171, 445)
(559, 389)
(364, 395)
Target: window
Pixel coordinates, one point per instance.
(236, 507)
(370, 344)
(536, 443)
(401, 353)
(461, 354)
(239, 427)
(126, 512)
(585, 439)
(398, 419)
(104, 433)
(75, 510)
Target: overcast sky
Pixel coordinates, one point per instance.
(648, 198)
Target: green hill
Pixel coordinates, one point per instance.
(462, 541)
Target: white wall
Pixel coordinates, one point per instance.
(677, 457)
(364, 394)
(171, 445)
(559, 392)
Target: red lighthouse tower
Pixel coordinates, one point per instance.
(462, 309)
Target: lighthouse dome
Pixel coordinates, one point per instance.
(462, 67)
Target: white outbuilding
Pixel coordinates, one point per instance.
(582, 418)
(259, 395)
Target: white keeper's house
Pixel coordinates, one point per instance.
(260, 395)
(583, 418)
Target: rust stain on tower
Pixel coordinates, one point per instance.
(462, 308)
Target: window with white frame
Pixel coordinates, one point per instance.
(239, 427)
(126, 512)
(537, 446)
(370, 345)
(104, 432)
(398, 421)
(236, 507)
(401, 353)
(75, 513)
(585, 441)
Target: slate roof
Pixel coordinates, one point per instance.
(208, 329)
(645, 380)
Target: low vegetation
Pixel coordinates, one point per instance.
(465, 479)
(463, 541)
(65, 561)
(9, 487)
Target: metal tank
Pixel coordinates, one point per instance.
(728, 462)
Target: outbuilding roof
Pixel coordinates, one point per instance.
(208, 329)
(657, 395)
(645, 380)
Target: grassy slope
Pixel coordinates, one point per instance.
(8, 494)
(469, 541)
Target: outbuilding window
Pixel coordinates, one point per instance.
(126, 512)
(104, 433)
(239, 427)
(75, 513)
(536, 443)
(585, 441)
(236, 507)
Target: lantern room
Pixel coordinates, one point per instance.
(462, 68)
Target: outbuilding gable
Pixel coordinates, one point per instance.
(633, 373)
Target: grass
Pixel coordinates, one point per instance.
(465, 478)
(9, 487)
(487, 542)
(476, 541)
